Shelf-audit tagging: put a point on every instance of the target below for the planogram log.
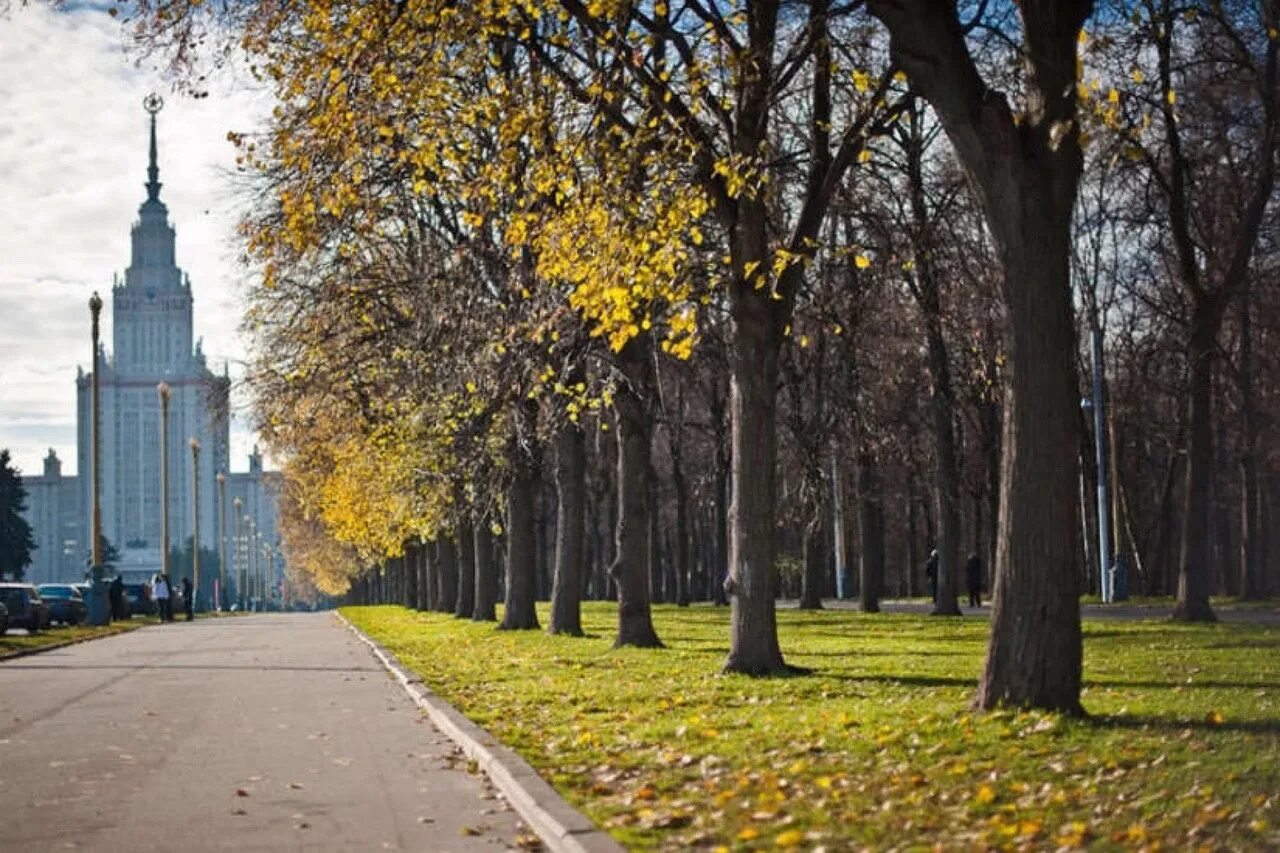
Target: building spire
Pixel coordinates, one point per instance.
(153, 103)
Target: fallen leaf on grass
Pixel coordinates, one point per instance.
(1214, 718)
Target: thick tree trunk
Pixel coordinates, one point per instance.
(427, 568)
(447, 572)
(751, 584)
(630, 567)
(871, 532)
(486, 575)
(521, 587)
(411, 575)
(1025, 173)
(465, 549)
(571, 484)
(1035, 656)
(1193, 570)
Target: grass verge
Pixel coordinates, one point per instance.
(875, 748)
(11, 642)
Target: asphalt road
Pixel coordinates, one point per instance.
(264, 732)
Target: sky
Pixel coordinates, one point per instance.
(73, 158)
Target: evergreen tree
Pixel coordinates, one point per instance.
(16, 543)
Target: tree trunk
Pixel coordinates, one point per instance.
(1193, 570)
(465, 550)
(682, 532)
(1035, 656)
(871, 532)
(1251, 586)
(571, 484)
(753, 383)
(1025, 174)
(630, 567)
(657, 587)
(946, 471)
(486, 576)
(520, 612)
(815, 562)
(720, 552)
(411, 575)
(447, 572)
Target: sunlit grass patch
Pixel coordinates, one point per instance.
(876, 747)
(12, 642)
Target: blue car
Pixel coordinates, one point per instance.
(66, 604)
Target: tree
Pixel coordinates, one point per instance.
(16, 542)
(1024, 164)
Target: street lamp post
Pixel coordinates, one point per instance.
(195, 524)
(252, 549)
(99, 613)
(239, 561)
(163, 390)
(222, 540)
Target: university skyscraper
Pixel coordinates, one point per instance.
(152, 341)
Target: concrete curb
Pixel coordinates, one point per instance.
(560, 826)
(22, 653)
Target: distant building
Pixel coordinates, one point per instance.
(152, 342)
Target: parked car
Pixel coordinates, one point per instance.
(4, 619)
(66, 604)
(138, 595)
(26, 608)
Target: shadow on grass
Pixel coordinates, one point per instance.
(1193, 685)
(1128, 721)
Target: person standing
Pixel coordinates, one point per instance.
(973, 579)
(160, 591)
(931, 571)
(115, 593)
(188, 599)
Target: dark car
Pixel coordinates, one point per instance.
(66, 604)
(138, 596)
(26, 608)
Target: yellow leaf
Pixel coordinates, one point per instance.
(984, 795)
(1172, 97)
(748, 833)
(1214, 718)
(1136, 832)
(790, 838)
(1259, 826)
(862, 262)
(1137, 76)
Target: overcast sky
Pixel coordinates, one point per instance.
(73, 158)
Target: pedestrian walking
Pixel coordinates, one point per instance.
(931, 571)
(188, 599)
(115, 594)
(160, 592)
(973, 579)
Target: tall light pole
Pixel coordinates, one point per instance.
(163, 390)
(195, 525)
(239, 562)
(253, 557)
(98, 611)
(222, 540)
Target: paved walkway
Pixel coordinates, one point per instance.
(265, 732)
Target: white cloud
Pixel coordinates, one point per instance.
(73, 157)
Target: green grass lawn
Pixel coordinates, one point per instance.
(877, 746)
(12, 642)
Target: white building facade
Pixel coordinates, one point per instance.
(152, 342)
